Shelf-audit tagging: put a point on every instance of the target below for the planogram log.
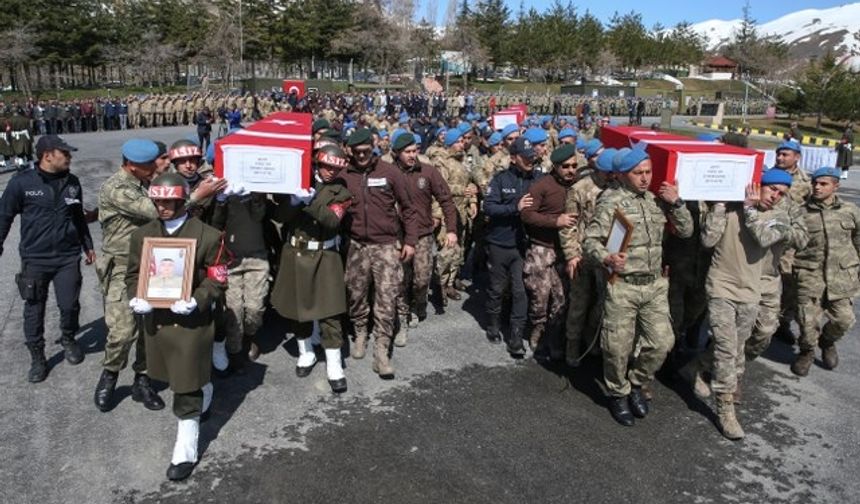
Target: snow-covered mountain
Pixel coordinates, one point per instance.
(808, 32)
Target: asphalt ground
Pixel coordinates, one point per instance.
(461, 422)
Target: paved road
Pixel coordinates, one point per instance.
(462, 422)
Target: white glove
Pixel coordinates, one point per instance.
(140, 306)
(230, 190)
(183, 307)
(302, 197)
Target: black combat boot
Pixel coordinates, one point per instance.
(143, 392)
(638, 403)
(71, 350)
(494, 333)
(619, 407)
(515, 343)
(38, 364)
(103, 396)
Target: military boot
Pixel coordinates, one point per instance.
(494, 333)
(726, 419)
(829, 357)
(803, 362)
(103, 396)
(38, 364)
(738, 396)
(142, 392)
(515, 342)
(360, 343)
(402, 333)
(71, 351)
(452, 293)
(381, 364)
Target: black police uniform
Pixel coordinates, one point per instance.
(53, 235)
(506, 243)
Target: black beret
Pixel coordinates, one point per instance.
(562, 154)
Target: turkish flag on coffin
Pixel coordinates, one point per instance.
(298, 86)
(273, 155)
(702, 170)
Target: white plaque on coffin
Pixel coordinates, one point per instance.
(712, 176)
(263, 169)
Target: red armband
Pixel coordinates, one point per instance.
(340, 208)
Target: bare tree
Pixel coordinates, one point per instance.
(18, 50)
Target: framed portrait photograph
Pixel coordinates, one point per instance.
(619, 238)
(166, 270)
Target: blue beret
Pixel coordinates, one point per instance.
(592, 147)
(604, 160)
(452, 135)
(510, 128)
(417, 138)
(383, 133)
(825, 171)
(776, 176)
(482, 125)
(441, 131)
(404, 119)
(138, 150)
(566, 132)
(790, 145)
(545, 119)
(626, 161)
(464, 127)
(580, 144)
(535, 135)
(495, 139)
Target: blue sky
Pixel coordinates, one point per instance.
(666, 12)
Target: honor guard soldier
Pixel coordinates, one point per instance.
(382, 233)
(638, 296)
(124, 205)
(54, 233)
(310, 284)
(179, 338)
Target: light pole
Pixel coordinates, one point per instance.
(241, 42)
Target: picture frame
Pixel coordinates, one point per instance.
(166, 270)
(620, 233)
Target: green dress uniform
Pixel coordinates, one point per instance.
(310, 284)
(179, 347)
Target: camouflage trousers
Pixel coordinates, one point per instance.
(416, 277)
(544, 286)
(585, 307)
(247, 286)
(731, 323)
(634, 312)
(448, 263)
(767, 320)
(687, 303)
(377, 266)
(122, 330)
(811, 308)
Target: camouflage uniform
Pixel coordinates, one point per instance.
(458, 178)
(733, 298)
(826, 271)
(638, 297)
(588, 287)
(499, 161)
(124, 205)
(767, 319)
(801, 188)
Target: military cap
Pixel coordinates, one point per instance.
(333, 134)
(789, 145)
(360, 136)
(169, 186)
(508, 130)
(320, 124)
(464, 127)
(441, 131)
(627, 159)
(826, 171)
(592, 147)
(404, 118)
(417, 138)
(535, 135)
(402, 141)
(396, 133)
(495, 139)
(184, 149)
(604, 160)
(452, 135)
(562, 154)
(580, 144)
(139, 150)
(383, 133)
(566, 133)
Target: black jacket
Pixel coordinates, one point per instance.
(507, 187)
(52, 223)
